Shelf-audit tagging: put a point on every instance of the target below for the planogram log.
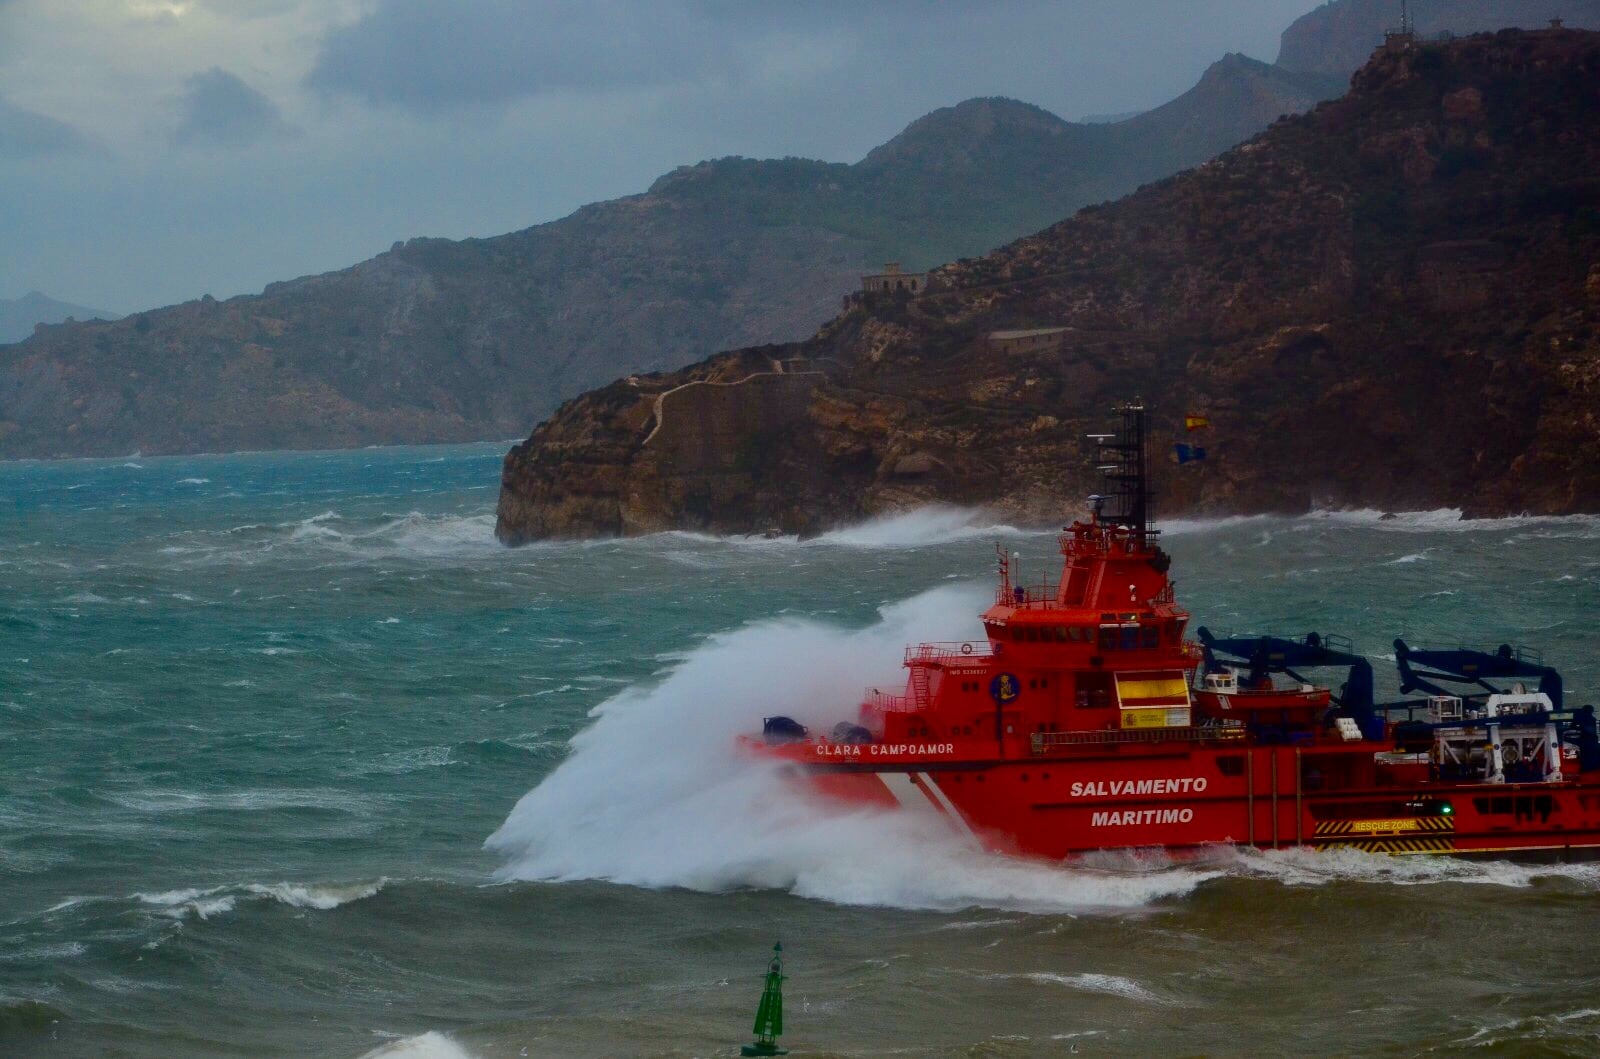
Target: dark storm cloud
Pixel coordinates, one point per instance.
(423, 54)
(428, 55)
(218, 108)
(550, 104)
(24, 133)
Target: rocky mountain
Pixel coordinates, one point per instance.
(1392, 301)
(19, 316)
(440, 340)
(1338, 37)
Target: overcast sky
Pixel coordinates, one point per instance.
(155, 150)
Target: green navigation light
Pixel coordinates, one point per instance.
(769, 1015)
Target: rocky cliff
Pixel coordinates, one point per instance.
(1391, 301)
(438, 340)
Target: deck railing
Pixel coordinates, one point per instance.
(957, 651)
(1039, 595)
(1043, 741)
(886, 702)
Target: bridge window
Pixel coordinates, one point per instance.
(1152, 635)
(1120, 638)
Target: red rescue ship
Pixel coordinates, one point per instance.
(1088, 720)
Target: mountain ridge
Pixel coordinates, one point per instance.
(19, 316)
(1391, 301)
(454, 340)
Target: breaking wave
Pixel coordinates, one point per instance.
(413, 535)
(205, 903)
(330, 536)
(428, 1045)
(245, 800)
(1305, 867)
(923, 527)
(1449, 519)
(655, 792)
(1089, 982)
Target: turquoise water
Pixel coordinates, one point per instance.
(269, 726)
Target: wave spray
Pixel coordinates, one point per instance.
(655, 792)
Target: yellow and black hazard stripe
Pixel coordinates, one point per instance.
(1391, 845)
(1385, 827)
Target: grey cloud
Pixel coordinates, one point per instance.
(422, 55)
(24, 133)
(218, 108)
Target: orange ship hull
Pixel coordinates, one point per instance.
(1188, 799)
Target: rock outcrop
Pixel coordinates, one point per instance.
(1386, 302)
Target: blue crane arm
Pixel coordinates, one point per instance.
(1464, 666)
(1273, 654)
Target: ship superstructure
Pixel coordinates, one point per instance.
(1087, 719)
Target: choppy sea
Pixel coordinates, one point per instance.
(295, 760)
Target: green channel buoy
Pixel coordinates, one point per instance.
(769, 1015)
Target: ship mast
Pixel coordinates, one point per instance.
(1123, 462)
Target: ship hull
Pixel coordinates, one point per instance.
(1187, 800)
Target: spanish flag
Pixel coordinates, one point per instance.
(1195, 421)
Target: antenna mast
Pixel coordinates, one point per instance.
(1124, 464)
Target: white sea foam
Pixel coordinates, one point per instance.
(322, 898)
(428, 1045)
(246, 800)
(180, 904)
(923, 527)
(402, 761)
(194, 481)
(1449, 519)
(1089, 982)
(414, 535)
(655, 792)
(1304, 867)
(65, 950)
(1185, 526)
(205, 903)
